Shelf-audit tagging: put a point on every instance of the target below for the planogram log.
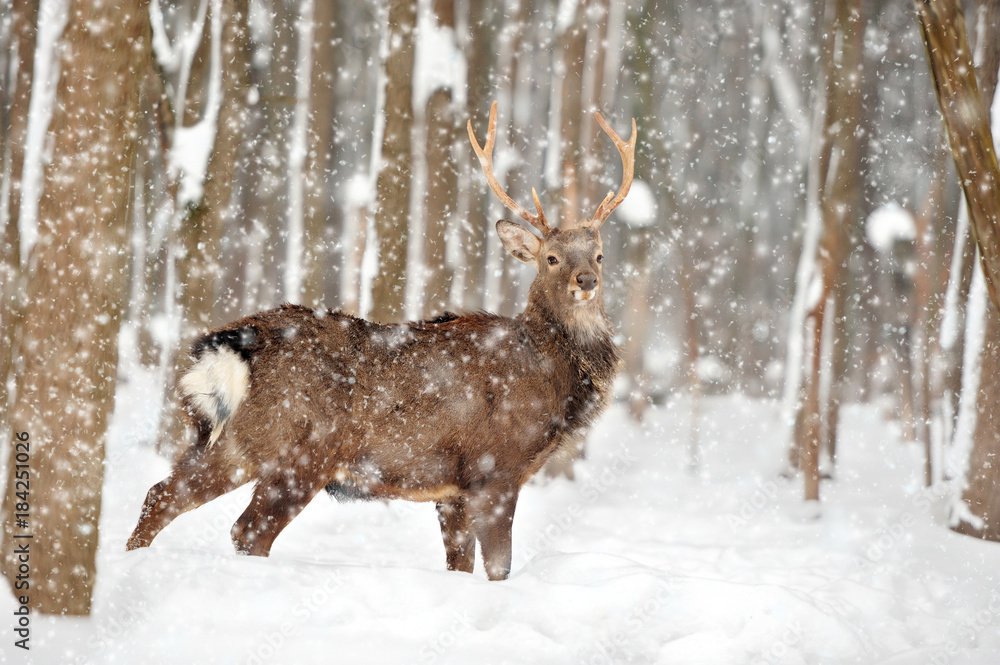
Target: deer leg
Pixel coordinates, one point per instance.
(201, 475)
(277, 500)
(459, 541)
(493, 516)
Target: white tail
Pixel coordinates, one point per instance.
(216, 386)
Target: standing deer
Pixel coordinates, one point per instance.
(458, 410)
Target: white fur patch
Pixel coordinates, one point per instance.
(216, 386)
(587, 321)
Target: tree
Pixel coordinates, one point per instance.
(942, 27)
(641, 238)
(837, 192)
(309, 154)
(75, 283)
(392, 211)
(16, 97)
(217, 85)
(480, 54)
(317, 186)
(517, 75)
(443, 139)
(568, 70)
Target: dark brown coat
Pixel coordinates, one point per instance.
(459, 410)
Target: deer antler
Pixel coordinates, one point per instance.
(627, 151)
(485, 155)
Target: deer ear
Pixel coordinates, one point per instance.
(522, 244)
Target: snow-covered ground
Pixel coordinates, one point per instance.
(637, 561)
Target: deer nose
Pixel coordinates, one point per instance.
(587, 281)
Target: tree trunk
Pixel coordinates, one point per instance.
(843, 200)
(200, 233)
(394, 179)
(942, 26)
(591, 96)
(981, 493)
(480, 54)
(24, 19)
(640, 243)
(811, 417)
(516, 72)
(569, 73)
(322, 106)
(963, 248)
(198, 269)
(924, 317)
(443, 138)
(77, 283)
(692, 353)
(838, 199)
(967, 122)
(796, 387)
(309, 154)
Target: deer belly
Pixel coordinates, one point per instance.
(367, 484)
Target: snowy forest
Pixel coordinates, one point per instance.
(799, 460)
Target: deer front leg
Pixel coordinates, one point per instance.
(201, 475)
(493, 516)
(459, 541)
(277, 500)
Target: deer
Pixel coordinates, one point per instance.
(457, 410)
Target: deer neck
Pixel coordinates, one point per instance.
(585, 343)
(582, 325)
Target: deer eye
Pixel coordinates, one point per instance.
(553, 260)
(600, 258)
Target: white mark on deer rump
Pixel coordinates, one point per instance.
(216, 386)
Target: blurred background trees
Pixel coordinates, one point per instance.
(795, 231)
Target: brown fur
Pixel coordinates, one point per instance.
(459, 410)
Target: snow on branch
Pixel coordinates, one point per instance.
(888, 224)
(193, 145)
(167, 56)
(52, 17)
(439, 64)
(638, 210)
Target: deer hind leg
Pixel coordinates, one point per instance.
(459, 541)
(278, 499)
(201, 475)
(493, 516)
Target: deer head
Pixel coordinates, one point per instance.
(569, 283)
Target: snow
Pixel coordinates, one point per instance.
(192, 145)
(786, 89)
(950, 315)
(888, 224)
(712, 370)
(637, 561)
(166, 55)
(52, 17)
(189, 156)
(566, 15)
(439, 64)
(965, 426)
(638, 210)
(806, 276)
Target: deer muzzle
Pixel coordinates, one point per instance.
(587, 281)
